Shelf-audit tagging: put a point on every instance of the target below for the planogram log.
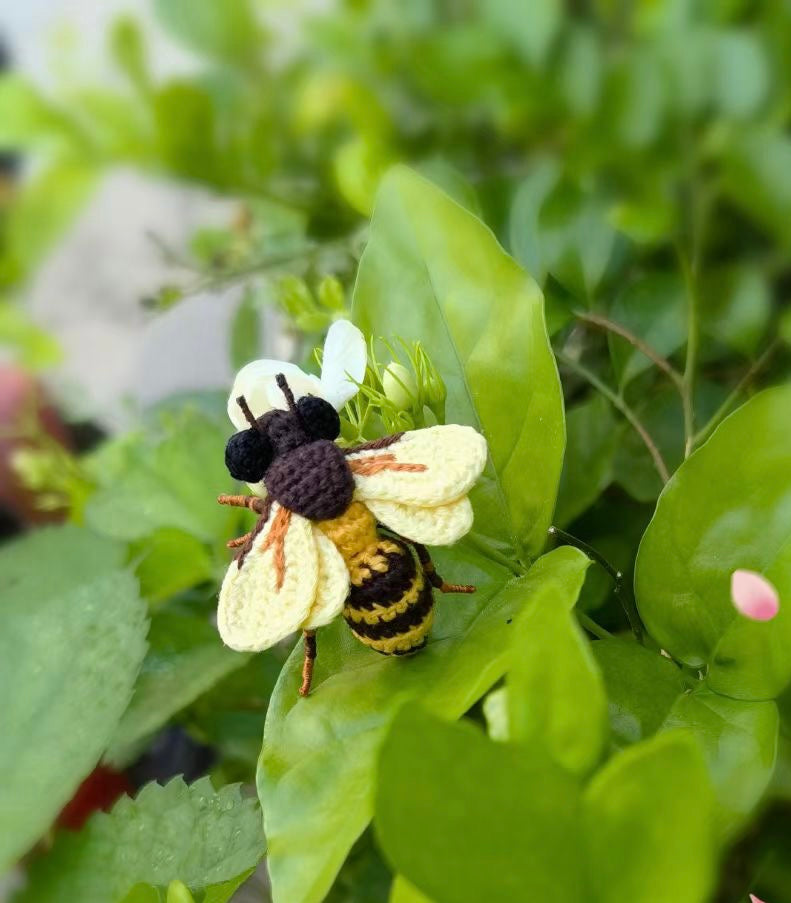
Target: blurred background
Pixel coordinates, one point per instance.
(186, 185)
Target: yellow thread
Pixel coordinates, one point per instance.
(402, 642)
(387, 612)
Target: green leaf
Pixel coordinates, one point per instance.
(245, 331)
(661, 413)
(641, 685)
(41, 211)
(757, 177)
(735, 306)
(741, 74)
(170, 561)
(588, 464)
(228, 31)
(647, 817)
(556, 228)
(186, 657)
(654, 309)
(448, 800)
(129, 51)
(73, 639)
(529, 27)
(28, 121)
(545, 688)
(433, 272)
(739, 740)
(189, 833)
(30, 345)
(183, 110)
(728, 506)
(404, 892)
(315, 776)
(169, 482)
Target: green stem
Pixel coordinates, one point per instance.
(488, 551)
(651, 353)
(592, 627)
(620, 589)
(618, 403)
(722, 411)
(693, 339)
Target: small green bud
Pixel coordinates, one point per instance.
(331, 294)
(399, 386)
(294, 296)
(178, 892)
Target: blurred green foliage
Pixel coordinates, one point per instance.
(608, 181)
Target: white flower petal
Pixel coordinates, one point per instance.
(344, 352)
(300, 384)
(254, 382)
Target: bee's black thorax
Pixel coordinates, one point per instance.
(312, 480)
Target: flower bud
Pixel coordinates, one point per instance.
(754, 596)
(331, 294)
(399, 386)
(178, 892)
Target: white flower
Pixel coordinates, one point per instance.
(344, 353)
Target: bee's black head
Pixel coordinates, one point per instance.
(249, 453)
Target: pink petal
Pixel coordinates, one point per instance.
(754, 899)
(754, 597)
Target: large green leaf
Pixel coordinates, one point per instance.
(557, 701)
(433, 272)
(190, 833)
(73, 638)
(186, 657)
(739, 739)
(727, 507)
(466, 819)
(647, 817)
(315, 776)
(404, 892)
(642, 687)
(169, 482)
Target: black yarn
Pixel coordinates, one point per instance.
(319, 417)
(248, 455)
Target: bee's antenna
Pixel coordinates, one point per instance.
(248, 414)
(286, 390)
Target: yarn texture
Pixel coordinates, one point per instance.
(318, 549)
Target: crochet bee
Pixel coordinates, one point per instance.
(342, 529)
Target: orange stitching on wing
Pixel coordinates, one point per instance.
(277, 538)
(367, 467)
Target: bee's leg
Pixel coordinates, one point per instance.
(309, 640)
(434, 578)
(239, 541)
(253, 502)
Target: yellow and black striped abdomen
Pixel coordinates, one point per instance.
(390, 604)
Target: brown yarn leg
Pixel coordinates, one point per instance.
(434, 578)
(239, 541)
(245, 501)
(309, 640)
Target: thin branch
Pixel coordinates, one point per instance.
(651, 353)
(620, 589)
(592, 627)
(623, 407)
(693, 336)
(722, 411)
